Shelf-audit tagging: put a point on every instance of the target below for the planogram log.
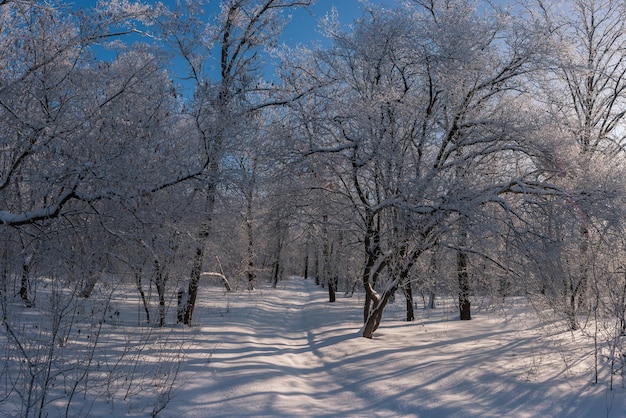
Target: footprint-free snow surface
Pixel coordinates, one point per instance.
(288, 352)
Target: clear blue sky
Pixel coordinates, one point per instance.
(303, 27)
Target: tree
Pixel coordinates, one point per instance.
(223, 105)
(584, 94)
(423, 105)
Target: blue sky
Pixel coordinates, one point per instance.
(303, 26)
(302, 29)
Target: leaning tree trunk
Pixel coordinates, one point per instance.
(376, 315)
(202, 241)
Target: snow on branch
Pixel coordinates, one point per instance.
(32, 216)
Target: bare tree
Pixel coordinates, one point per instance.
(584, 94)
(222, 104)
(422, 107)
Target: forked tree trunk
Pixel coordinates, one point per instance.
(376, 315)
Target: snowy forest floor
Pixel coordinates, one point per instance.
(288, 352)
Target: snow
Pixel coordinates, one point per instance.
(288, 352)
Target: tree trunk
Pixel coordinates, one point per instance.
(142, 294)
(276, 273)
(202, 240)
(582, 286)
(25, 283)
(332, 289)
(431, 300)
(571, 311)
(376, 315)
(160, 279)
(464, 287)
(317, 266)
(408, 295)
(89, 284)
(194, 280)
(250, 232)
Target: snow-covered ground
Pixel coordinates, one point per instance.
(288, 352)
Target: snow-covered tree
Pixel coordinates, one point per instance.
(419, 103)
(583, 91)
(223, 104)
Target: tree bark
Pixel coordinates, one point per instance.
(332, 289)
(202, 240)
(408, 295)
(194, 280)
(306, 266)
(160, 280)
(25, 283)
(376, 315)
(464, 287)
(142, 294)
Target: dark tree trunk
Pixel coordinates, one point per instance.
(317, 266)
(250, 273)
(181, 298)
(89, 284)
(306, 266)
(276, 273)
(250, 252)
(408, 295)
(25, 284)
(202, 239)
(332, 289)
(160, 280)
(464, 287)
(142, 294)
(194, 281)
(572, 317)
(582, 287)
